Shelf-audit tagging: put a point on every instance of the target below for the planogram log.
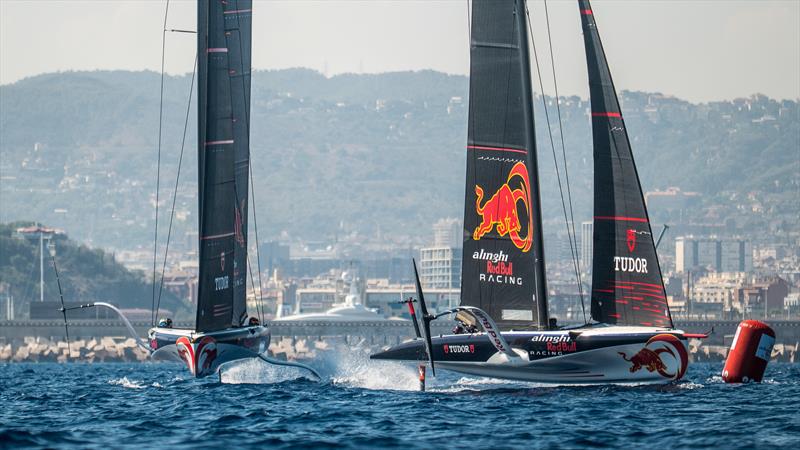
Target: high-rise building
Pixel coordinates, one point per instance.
(713, 253)
(587, 232)
(440, 267)
(448, 233)
(440, 264)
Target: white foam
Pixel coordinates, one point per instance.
(353, 368)
(126, 383)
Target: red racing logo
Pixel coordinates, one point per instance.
(649, 357)
(501, 209)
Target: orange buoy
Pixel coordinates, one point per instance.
(750, 352)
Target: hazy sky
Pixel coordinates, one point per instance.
(694, 49)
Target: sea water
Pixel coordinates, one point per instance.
(376, 404)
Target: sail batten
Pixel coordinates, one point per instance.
(224, 48)
(627, 287)
(503, 260)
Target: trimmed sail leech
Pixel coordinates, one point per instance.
(627, 287)
(503, 260)
(224, 48)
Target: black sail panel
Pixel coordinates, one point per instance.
(503, 266)
(627, 287)
(224, 47)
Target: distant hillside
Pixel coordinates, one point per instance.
(382, 155)
(86, 274)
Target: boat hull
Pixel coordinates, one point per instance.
(600, 355)
(204, 353)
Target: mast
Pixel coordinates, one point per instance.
(627, 287)
(224, 47)
(503, 269)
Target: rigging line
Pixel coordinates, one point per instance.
(563, 150)
(177, 180)
(258, 250)
(555, 158)
(469, 24)
(158, 164)
(63, 309)
(253, 285)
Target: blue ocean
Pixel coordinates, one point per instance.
(370, 404)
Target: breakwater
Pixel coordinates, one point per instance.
(107, 340)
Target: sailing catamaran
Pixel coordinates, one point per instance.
(223, 331)
(503, 271)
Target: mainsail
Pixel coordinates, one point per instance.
(627, 287)
(503, 259)
(223, 46)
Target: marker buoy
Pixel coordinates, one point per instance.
(750, 352)
(422, 377)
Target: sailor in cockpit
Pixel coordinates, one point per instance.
(465, 323)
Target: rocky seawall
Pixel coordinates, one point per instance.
(121, 349)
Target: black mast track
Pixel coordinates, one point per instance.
(627, 287)
(503, 270)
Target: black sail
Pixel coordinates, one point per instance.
(627, 287)
(503, 259)
(223, 46)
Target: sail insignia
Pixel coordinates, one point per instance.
(503, 263)
(224, 49)
(627, 287)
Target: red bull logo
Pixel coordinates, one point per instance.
(650, 357)
(501, 209)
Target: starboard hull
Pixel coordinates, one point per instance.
(204, 353)
(598, 355)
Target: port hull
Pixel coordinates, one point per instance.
(598, 355)
(204, 353)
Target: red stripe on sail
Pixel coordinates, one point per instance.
(586, 12)
(496, 149)
(621, 218)
(606, 114)
(643, 284)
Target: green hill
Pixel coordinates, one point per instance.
(379, 155)
(86, 275)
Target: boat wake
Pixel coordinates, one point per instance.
(353, 368)
(254, 371)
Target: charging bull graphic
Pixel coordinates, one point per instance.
(501, 209)
(650, 358)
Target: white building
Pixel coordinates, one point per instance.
(440, 264)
